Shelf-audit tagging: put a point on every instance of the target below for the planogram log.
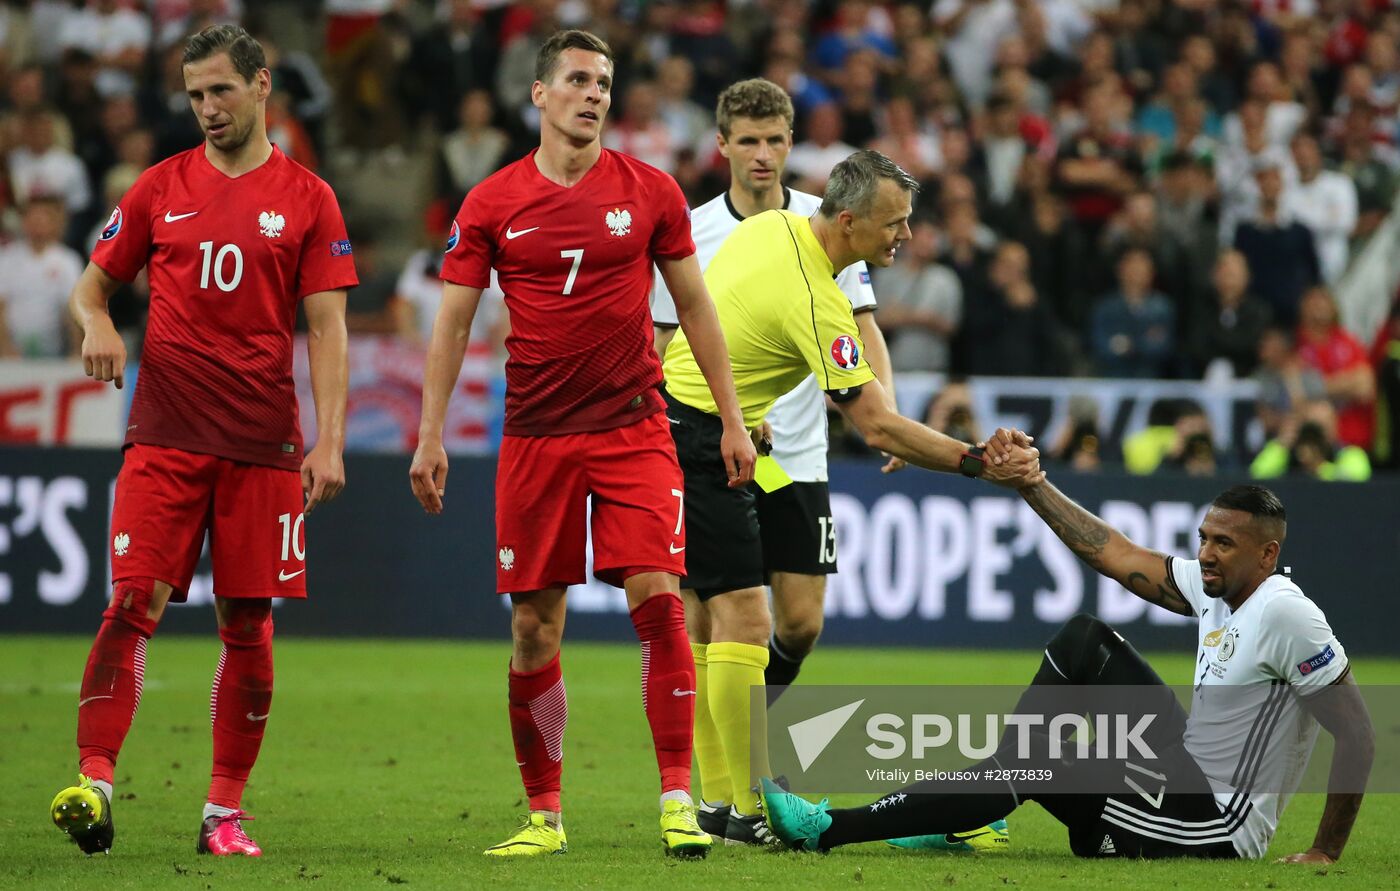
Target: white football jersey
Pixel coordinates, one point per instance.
(799, 418)
(1247, 730)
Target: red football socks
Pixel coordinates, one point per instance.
(111, 688)
(668, 685)
(239, 704)
(539, 711)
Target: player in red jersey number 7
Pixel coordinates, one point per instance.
(233, 235)
(572, 231)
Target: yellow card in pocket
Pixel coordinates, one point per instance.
(769, 474)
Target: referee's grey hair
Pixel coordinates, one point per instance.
(854, 183)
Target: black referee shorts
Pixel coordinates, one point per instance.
(798, 533)
(722, 548)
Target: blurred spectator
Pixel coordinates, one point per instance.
(1279, 249)
(1059, 261)
(296, 76)
(1372, 166)
(1137, 225)
(1079, 445)
(972, 30)
(1134, 328)
(1328, 348)
(859, 100)
(17, 42)
(369, 307)
(515, 72)
(908, 143)
(1157, 122)
(453, 55)
(195, 16)
(999, 156)
(1308, 445)
(966, 249)
(38, 165)
(1325, 202)
(950, 412)
(1011, 331)
(78, 96)
(920, 304)
(639, 131)
(40, 272)
(361, 65)
(1388, 385)
(1213, 82)
(1282, 115)
(116, 36)
(1097, 166)
(858, 26)
(120, 116)
(811, 159)
(1285, 383)
(473, 151)
(691, 126)
(1230, 334)
(285, 131)
(1176, 435)
(1237, 167)
(26, 96)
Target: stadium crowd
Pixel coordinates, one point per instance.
(1116, 188)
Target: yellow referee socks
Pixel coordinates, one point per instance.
(733, 669)
(709, 751)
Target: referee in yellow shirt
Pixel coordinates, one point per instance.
(784, 317)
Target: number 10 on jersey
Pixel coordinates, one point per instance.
(217, 263)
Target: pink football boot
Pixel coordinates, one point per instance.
(224, 836)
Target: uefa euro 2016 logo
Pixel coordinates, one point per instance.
(845, 352)
(114, 225)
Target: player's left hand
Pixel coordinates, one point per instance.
(737, 450)
(894, 465)
(1312, 855)
(322, 476)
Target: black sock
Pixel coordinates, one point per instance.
(782, 668)
(911, 812)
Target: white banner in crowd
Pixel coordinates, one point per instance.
(51, 402)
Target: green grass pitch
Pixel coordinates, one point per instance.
(389, 763)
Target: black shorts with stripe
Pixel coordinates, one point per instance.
(722, 548)
(797, 529)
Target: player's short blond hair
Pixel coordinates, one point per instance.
(757, 98)
(547, 60)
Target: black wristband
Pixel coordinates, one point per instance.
(972, 462)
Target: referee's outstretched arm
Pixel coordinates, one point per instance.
(888, 431)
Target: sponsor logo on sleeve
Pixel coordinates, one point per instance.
(865, 276)
(453, 236)
(1308, 666)
(845, 352)
(341, 248)
(114, 225)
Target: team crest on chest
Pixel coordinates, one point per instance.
(619, 221)
(271, 223)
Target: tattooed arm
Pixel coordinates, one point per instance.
(1144, 572)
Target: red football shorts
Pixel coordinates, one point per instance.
(167, 499)
(542, 489)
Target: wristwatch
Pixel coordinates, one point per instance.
(972, 462)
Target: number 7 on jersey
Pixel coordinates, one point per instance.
(577, 256)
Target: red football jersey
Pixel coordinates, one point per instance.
(228, 260)
(575, 265)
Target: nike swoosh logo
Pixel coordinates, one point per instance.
(175, 218)
(676, 550)
(284, 576)
(83, 702)
(954, 837)
(253, 717)
(679, 692)
(511, 236)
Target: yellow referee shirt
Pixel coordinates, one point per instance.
(783, 318)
